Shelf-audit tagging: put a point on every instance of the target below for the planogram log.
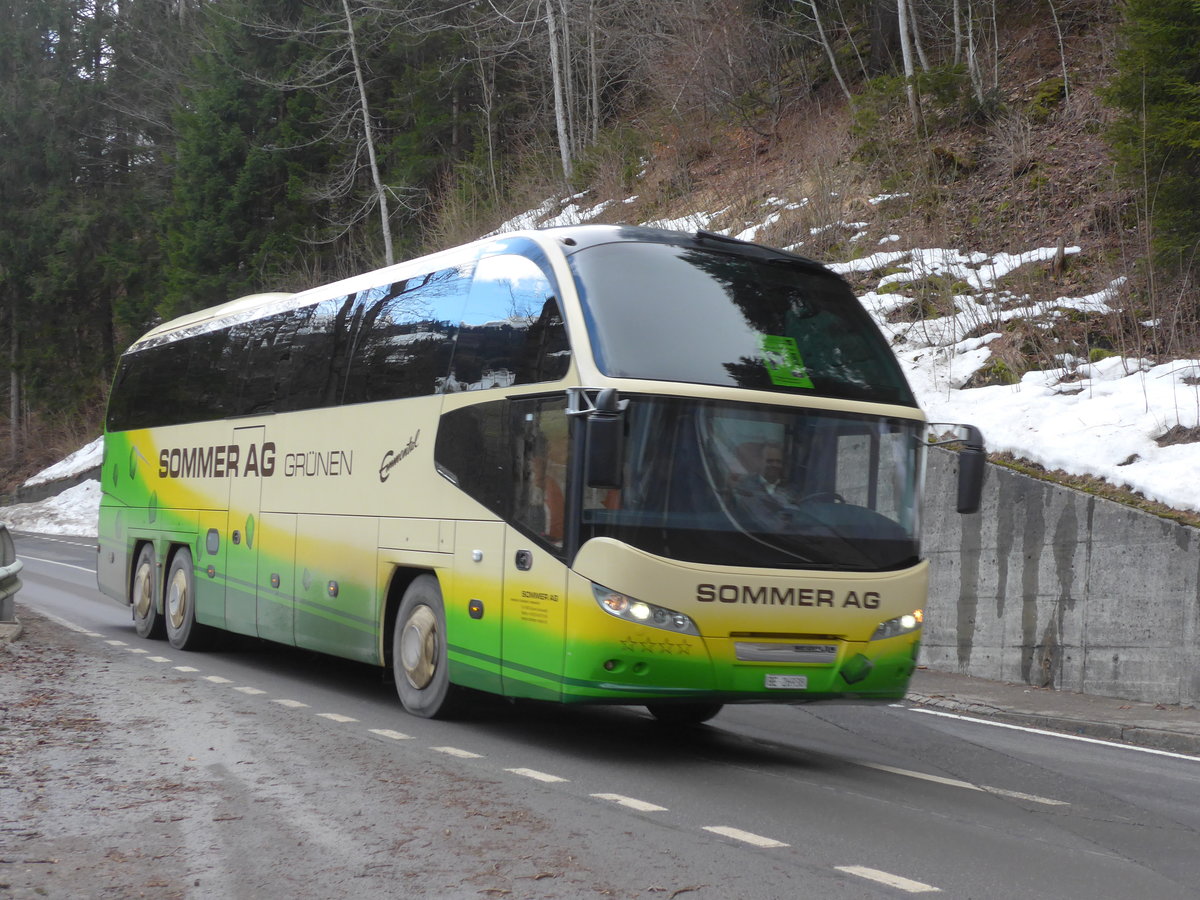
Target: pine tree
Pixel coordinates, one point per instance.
(1156, 140)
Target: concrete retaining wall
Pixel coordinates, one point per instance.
(35, 492)
(1056, 588)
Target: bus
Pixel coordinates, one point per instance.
(593, 464)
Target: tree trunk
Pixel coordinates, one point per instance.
(829, 50)
(369, 137)
(1062, 52)
(560, 113)
(910, 87)
(14, 390)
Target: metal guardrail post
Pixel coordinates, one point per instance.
(10, 583)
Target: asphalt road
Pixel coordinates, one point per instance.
(296, 773)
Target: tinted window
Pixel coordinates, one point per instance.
(675, 313)
(387, 342)
(511, 456)
(405, 336)
(743, 484)
(512, 331)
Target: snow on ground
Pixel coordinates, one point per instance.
(74, 511)
(1085, 418)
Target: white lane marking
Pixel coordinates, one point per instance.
(116, 643)
(536, 775)
(136, 650)
(158, 659)
(186, 669)
(631, 802)
(393, 735)
(966, 785)
(747, 837)
(291, 704)
(455, 751)
(904, 884)
(1057, 734)
(249, 690)
(55, 562)
(335, 717)
(217, 679)
(54, 540)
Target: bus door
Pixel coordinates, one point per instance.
(245, 494)
(535, 576)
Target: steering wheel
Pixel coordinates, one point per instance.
(823, 497)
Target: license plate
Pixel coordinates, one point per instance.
(788, 682)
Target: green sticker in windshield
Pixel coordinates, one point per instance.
(781, 356)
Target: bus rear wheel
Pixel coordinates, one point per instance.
(179, 604)
(419, 652)
(147, 620)
(684, 713)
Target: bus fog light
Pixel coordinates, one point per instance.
(642, 613)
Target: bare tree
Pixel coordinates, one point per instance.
(910, 87)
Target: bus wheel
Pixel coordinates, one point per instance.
(146, 618)
(683, 713)
(179, 604)
(419, 659)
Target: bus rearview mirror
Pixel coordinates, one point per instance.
(605, 458)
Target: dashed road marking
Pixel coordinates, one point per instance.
(393, 735)
(747, 837)
(158, 659)
(455, 751)
(896, 881)
(253, 691)
(136, 650)
(536, 775)
(631, 802)
(336, 717)
(116, 643)
(217, 679)
(291, 704)
(186, 669)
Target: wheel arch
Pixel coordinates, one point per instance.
(131, 573)
(401, 578)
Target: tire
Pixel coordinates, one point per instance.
(684, 713)
(147, 620)
(179, 604)
(419, 655)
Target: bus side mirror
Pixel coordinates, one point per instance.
(970, 471)
(605, 442)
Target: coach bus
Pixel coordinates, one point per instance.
(597, 464)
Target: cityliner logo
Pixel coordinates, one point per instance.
(392, 458)
(792, 596)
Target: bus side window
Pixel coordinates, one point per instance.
(407, 331)
(512, 330)
(540, 448)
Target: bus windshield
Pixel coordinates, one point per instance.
(737, 484)
(661, 311)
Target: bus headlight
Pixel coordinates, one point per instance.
(904, 624)
(639, 611)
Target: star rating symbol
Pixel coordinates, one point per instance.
(651, 647)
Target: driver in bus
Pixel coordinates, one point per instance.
(763, 491)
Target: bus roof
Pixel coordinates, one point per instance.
(572, 238)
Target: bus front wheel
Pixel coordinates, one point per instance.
(146, 618)
(179, 604)
(683, 713)
(419, 652)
